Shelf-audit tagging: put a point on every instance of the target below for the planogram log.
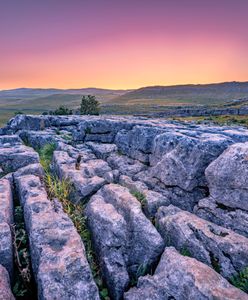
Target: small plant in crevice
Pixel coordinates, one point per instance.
(87, 130)
(67, 137)
(119, 153)
(57, 131)
(185, 252)
(143, 269)
(23, 287)
(140, 197)
(26, 141)
(241, 280)
(215, 262)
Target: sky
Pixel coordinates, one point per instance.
(122, 44)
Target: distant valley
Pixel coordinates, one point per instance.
(143, 100)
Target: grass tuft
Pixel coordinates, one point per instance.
(241, 280)
(46, 154)
(140, 197)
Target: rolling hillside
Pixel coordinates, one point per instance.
(203, 94)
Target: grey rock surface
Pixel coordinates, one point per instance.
(152, 200)
(182, 160)
(102, 151)
(85, 177)
(181, 277)
(124, 238)
(218, 247)
(126, 165)
(125, 170)
(235, 219)
(5, 289)
(13, 158)
(6, 221)
(227, 177)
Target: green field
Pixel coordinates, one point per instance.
(218, 120)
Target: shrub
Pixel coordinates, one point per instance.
(18, 113)
(89, 106)
(62, 111)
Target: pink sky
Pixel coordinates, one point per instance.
(122, 44)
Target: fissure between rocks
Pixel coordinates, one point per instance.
(61, 190)
(24, 286)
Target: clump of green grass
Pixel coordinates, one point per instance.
(241, 280)
(185, 252)
(46, 154)
(67, 137)
(140, 197)
(141, 271)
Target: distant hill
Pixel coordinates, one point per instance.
(30, 93)
(202, 94)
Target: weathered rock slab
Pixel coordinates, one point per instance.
(124, 238)
(5, 289)
(13, 158)
(218, 247)
(213, 211)
(6, 221)
(181, 277)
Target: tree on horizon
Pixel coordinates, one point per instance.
(89, 105)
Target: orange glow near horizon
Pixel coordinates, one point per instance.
(128, 56)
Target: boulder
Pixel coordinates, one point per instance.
(227, 177)
(84, 177)
(138, 142)
(180, 160)
(124, 238)
(181, 277)
(32, 169)
(38, 139)
(10, 140)
(6, 202)
(174, 195)
(109, 234)
(218, 247)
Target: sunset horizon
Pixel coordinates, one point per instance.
(124, 88)
(118, 45)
